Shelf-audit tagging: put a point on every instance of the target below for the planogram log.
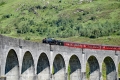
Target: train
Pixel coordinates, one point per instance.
(80, 45)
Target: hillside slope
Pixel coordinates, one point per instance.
(30, 19)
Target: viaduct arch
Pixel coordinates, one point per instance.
(12, 66)
(43, 67)
(24, 60)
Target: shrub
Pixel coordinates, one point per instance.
(93, 18)
(2, 3)
(27, 38)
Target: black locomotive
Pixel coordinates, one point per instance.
(52, 41)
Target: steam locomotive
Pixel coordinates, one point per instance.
(80, 45)
(52, 41)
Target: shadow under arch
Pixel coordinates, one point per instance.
(43, 67)
(12, 66)
(27, 71)
(59, 68)
(94, 68)
(110, 68)
(74, 69)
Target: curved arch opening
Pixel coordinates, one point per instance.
(74, 68)
(59, 68)
(12, 66)
(110, 73)
(27, 71)
(92, 68)
(43, 67)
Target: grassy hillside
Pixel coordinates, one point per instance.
(90, 22)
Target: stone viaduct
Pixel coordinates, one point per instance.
(25, 60)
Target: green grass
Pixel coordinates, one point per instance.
(69, 71)
(104, 71)
(109, 40)
(87, 71)
(36, 19)
(119, 70)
